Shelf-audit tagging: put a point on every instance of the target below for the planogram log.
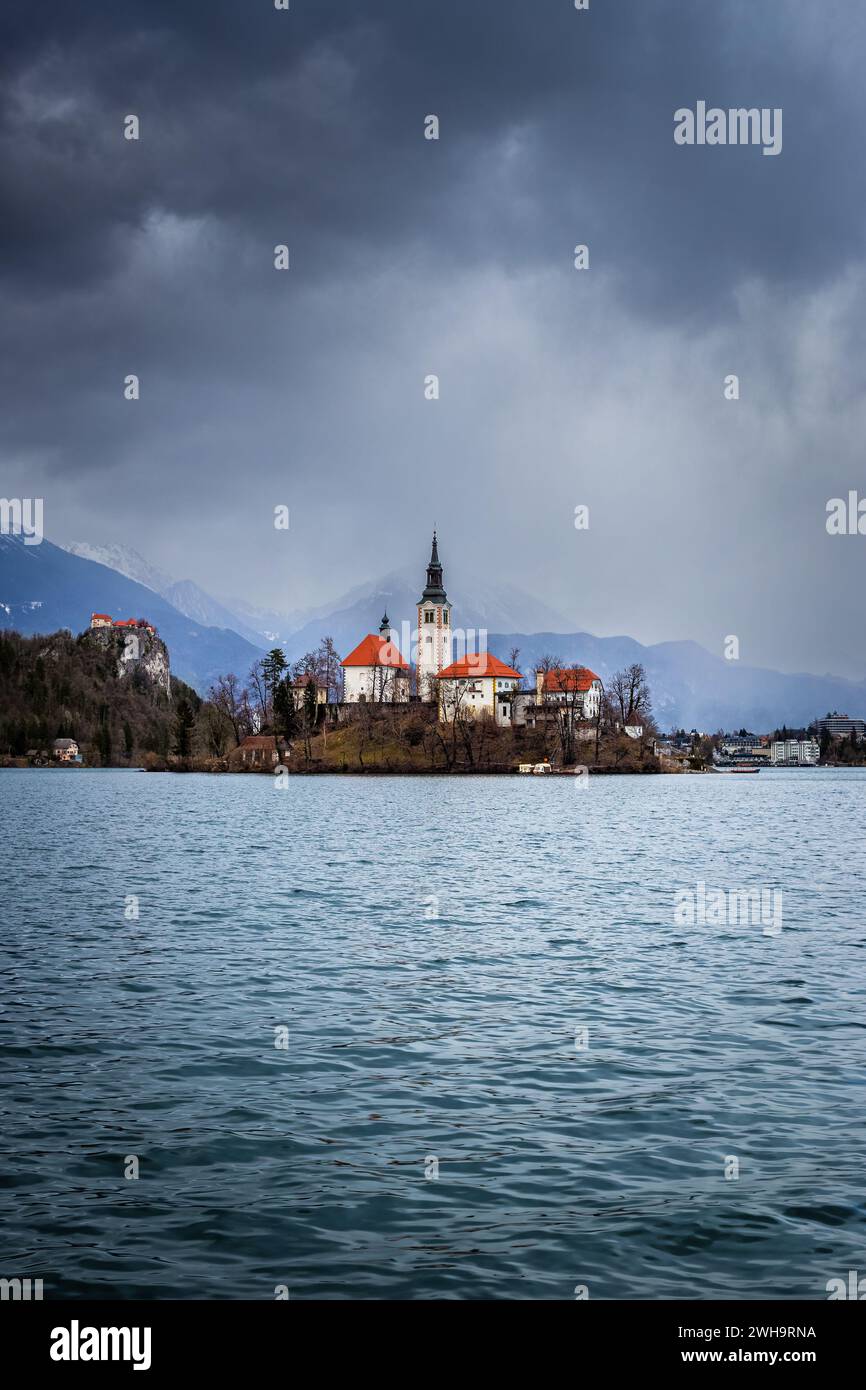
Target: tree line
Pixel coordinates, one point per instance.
(277, 697)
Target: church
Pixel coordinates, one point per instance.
(477, 683)
(377, 670)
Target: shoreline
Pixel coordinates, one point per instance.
(210, 771)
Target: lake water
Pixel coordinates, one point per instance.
(436, 948)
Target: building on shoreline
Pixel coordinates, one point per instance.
(259, 750)
(840, 726)
(742, 750)
(66, 750)
(792, 752)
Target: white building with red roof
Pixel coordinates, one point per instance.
(477, 684)
(100, 620)
(375, 671)
(575, 686)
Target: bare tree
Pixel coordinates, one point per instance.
(545, 664)
(330, 668)
(605, 719)
(230, 699)
(630, 695)
(566, 701)
(457, 720)
(568, 706)
(215, 729)
(383, 684)
(259, 693)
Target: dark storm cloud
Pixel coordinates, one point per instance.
(307, 124)
(305, 127)
(410, 256)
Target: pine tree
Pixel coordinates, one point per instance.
(103, 737)
(311, 704)
(273, 666)
(311, 710)
(285, 714)
(184, 724)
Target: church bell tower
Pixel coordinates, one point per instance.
(434, 628)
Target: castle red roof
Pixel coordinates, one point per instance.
(478, 664)
(375, 651)
(105, 616)
(578, 678)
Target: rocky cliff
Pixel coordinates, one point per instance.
(137, 651)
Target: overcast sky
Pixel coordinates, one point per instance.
(559, 387)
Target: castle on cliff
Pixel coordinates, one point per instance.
(139, 647)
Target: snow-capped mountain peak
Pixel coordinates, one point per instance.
(124, 560)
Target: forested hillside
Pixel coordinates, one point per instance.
(61, 686)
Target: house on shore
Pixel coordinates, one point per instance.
(66, 750)
(259, 750)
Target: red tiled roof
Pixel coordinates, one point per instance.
(578, 678)
(375, 651)
(478, 664)
(258, 741)
(106, 616)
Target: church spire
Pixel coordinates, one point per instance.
(434, 589)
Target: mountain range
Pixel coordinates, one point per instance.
(46, 587)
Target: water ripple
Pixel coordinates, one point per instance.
(432, 947)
